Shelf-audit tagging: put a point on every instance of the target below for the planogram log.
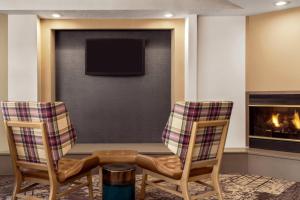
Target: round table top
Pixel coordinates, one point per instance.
(116, 156)
(119, 167)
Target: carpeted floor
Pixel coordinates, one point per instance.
(236, 187)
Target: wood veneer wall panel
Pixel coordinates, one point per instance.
(3, 73)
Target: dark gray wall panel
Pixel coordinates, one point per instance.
(115, 109)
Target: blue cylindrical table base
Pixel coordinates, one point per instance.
(115, 192)
(118, 182)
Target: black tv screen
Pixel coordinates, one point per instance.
(115, 57)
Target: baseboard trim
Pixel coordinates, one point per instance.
(232, 155)
(235, 160)
(143, 148)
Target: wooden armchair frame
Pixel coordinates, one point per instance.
(48, 167)
(182, 183)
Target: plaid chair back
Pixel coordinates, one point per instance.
(177, 132)
(29, 144)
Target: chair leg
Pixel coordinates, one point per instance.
(185, 190)
(53, 191)
(90, 186)
(18, 183)
(100, 179)
(177, 188)
(143, 186)
(216, 185)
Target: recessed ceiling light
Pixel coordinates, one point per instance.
(281, 3)
(168, 15)
(56, 15)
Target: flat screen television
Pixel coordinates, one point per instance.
(115, 57)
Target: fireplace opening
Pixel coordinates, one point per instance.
(274, 121)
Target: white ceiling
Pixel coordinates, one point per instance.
(138, 8)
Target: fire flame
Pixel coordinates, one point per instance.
(296, 120)
(275, 120)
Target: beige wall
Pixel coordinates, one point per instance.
(3, 75)
(22, 58)
(273, 51)
(221, 68)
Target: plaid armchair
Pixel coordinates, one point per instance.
(196, 133)
(39, 135)
(28, 141)
(177, 132)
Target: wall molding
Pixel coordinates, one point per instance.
(47, 64)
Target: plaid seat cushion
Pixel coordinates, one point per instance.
(28, 141)
(176, 134)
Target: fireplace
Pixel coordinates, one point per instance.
(274, 121)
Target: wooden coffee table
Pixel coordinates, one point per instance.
(116, 156)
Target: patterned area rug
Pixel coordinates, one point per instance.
(235, 187)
